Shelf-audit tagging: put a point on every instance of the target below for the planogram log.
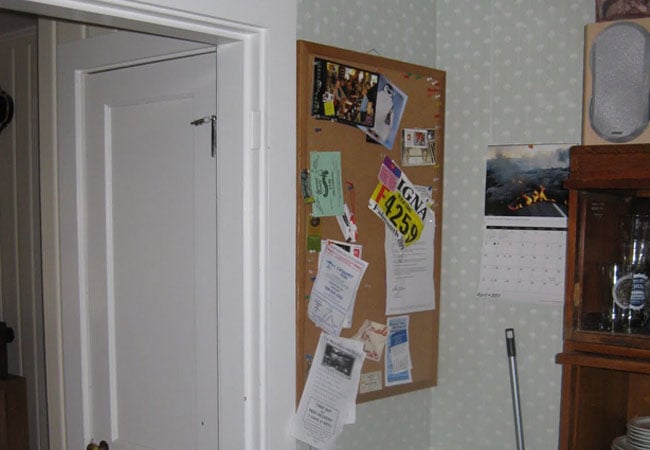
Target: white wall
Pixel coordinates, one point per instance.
(402, 30)
(514, 75)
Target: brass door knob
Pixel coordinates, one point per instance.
(103, 445)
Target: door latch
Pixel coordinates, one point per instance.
(212, 120)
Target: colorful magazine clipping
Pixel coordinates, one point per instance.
(344, 93)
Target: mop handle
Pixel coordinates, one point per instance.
(514, 387)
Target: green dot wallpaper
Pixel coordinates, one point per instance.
(514, 76)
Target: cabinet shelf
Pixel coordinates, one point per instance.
(621, 343)
(604, 362)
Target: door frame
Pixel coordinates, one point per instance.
(242, 259)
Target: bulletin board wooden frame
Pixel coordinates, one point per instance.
(360, 164)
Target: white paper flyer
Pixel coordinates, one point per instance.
(398, 356)
(329, 399)
(373, 335)
(409, 271)
(335, 289)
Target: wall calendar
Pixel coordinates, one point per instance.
(524, 236)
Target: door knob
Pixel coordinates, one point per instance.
(103, 445)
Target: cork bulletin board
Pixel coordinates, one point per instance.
(360, 160)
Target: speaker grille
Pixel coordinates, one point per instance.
(620, 58)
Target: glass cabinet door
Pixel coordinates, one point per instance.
(611, 291)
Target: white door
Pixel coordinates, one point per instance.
(148, 237)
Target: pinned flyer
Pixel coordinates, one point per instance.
(373, 335)
(335, 289)
(398, 356)
(353, 249)
(397, 202)
(328, 401)
(370, 382)
(409, 274)
(325, 183)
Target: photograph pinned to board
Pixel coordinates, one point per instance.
(526, 208)
(391, 101)
(418, 147)
(344, 93)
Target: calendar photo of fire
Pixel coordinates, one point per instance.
(526, 180)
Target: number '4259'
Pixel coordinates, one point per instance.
(402, 217)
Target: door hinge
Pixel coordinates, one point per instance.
(212, 120)
(255, 130)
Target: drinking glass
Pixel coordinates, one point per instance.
(614, 306)
(633, 287)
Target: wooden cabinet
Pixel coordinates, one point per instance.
(13, 414)
(606, 356)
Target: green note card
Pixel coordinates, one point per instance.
(326, 184)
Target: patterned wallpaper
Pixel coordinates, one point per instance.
(514, 75)
(399, 29)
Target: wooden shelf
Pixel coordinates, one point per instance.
(619, 343)
(604, 362)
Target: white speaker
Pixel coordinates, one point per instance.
(616, 96)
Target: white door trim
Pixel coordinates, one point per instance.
(242, 261)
